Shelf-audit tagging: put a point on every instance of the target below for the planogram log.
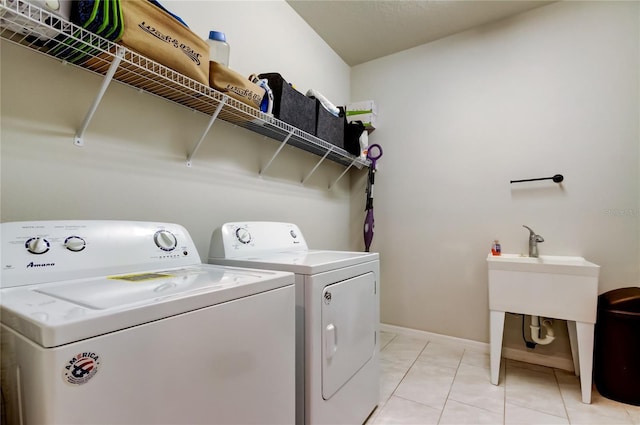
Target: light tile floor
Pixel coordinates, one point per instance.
(435, 382)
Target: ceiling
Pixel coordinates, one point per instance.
(363, 30)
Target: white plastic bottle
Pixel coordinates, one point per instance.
(218, 48)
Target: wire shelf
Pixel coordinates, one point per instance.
(32, 27)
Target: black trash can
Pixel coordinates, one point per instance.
(617, 345)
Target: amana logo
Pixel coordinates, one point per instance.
(32, 264)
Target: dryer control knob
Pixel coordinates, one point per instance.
(74, 243)
(37, 245)
(243, 235)
(165, 240)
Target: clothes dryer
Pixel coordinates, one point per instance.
(337, 316)
(108, 322)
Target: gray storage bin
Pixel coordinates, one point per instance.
(291, 106)
(328, 126)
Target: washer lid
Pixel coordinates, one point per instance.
(53, 314)
(301, 262)
(121, 290)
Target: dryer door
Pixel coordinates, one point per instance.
(348, 330)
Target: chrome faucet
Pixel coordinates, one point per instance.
(533, 242)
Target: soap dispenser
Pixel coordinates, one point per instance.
(495, 248)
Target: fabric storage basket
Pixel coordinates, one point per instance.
(328, 126)
(159, 36)
(291, 106)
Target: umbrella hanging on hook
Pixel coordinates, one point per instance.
(374, 153)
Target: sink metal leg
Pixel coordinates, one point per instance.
(584, 333)
(495, 337)
(573, 341)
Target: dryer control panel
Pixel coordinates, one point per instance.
(240, 239)
(49, 251)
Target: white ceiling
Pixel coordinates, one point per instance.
(363, 30)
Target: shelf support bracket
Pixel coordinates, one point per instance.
(284, 142)
(343, 173)
(211, 121)
(78, 138)
(317, 165)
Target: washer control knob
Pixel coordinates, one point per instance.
(165, 240)
(37, 245)
(243, 235)
(74, 243)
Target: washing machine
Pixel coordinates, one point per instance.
(337, 316)
(117, 322)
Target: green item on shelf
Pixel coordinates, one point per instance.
(102, 17)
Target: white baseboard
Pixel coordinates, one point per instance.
(476, 345)
(507, 352)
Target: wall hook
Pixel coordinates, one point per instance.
(556, 179)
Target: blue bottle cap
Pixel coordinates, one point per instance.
(217, 35)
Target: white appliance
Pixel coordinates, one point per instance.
(115, 322)
(337, 316)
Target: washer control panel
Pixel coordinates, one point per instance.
(240, 239)
(47, 251)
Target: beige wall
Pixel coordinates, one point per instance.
(133, 164)
(554, 90)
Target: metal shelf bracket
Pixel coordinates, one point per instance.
(204, 134)
(343, 173)
(316, 167)
(284, 142)
(78, 138)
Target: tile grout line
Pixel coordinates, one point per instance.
(446, 400)
(564, 403)
(474, 407)
(605, 415)
(388, 342)
(404, 375)
(381, 405)
(534, 409)
(504, 401)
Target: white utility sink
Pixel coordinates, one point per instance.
(556, 287)
(577, 266)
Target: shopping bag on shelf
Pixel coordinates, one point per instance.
(158, 35)
(231, 83)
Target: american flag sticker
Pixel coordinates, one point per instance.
(81, 368)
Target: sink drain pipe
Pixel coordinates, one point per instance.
(535, 330)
